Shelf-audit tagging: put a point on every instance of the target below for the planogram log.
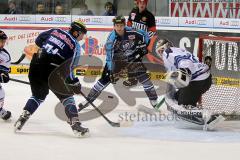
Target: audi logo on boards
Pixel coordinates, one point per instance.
(60, 19)
(201, 22)
(234, 23)
(97, 20)
(164, 21)
(24, 18)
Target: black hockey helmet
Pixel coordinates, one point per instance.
(79, 26)
(119, 19)
(3, 35)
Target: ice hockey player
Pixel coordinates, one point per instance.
(56, 47)
(190, 79)
(5, 61)
(124, 47)
(140, 18)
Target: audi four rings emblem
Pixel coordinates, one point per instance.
(202, 22)
(60, 19)
(165, 21)
(234, 23)
(97, 20)
(24, 18)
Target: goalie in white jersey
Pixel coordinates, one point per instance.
(189, 79)
(5, 61)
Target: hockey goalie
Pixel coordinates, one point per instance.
(187, 80)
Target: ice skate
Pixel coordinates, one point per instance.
(78, 130)
(5, 115)
(22, 120)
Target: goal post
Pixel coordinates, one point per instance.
(224, 95)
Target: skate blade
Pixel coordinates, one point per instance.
(126, 123)
(81, 135)
(146, 110)
(214, 124)
(17, 127)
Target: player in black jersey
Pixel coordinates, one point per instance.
(56, 47)
(140, 18)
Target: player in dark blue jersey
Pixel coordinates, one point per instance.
(56, 47)
(125, 48)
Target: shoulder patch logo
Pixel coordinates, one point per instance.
(133, 15)
(144, 19)
(131, 37)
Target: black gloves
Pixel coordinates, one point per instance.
(73, 84)
(4, 77)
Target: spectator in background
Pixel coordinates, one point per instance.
(140, 18)
(40, 9)
(84, 10)
(12, 8)
(135, 4)
(109, 9)
(59, 10)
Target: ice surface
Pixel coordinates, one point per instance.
(46, 137)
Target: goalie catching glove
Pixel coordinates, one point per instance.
(73, 84)
(4, 77)
(179, 78)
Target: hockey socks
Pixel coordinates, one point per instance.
(32, 104)
(70, 107)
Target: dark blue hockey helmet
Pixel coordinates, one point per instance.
(79, 26)
(3, 36)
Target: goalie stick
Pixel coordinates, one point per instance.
(20, 59)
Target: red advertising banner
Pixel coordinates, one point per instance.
(205, 8)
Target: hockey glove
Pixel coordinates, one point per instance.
(180, 78)
(113, 78)
(73, 84)
(4, 77)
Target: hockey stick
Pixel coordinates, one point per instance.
(20, 59)
(19, 81)
(113, 124)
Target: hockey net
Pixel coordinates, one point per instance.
(224, 95)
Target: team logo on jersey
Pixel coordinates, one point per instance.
(131, 37)
(144, 19)
(133, 15)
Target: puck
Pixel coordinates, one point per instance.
(110, 96)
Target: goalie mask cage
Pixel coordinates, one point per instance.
(224, 95)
